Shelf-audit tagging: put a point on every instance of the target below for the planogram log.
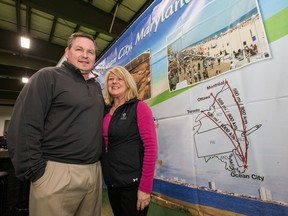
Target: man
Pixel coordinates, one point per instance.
(55, 135)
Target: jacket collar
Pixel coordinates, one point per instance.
(76, 70)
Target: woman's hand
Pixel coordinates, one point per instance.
(143, 200)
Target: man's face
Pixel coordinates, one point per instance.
(81, 54)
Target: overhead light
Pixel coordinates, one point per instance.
(25, 80)
(25, 42)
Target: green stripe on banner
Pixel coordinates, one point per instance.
(165, 96)
(277, 25)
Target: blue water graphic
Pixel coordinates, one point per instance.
(217, 200)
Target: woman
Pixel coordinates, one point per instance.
(130, 149)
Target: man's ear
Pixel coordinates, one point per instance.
(66, 52)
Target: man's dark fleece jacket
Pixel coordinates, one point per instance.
(58, 117)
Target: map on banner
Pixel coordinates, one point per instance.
(221, 130)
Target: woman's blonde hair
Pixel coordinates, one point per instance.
(123, 74)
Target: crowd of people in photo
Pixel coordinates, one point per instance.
(194, 66)
(219, 53)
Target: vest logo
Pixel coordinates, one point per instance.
(123, 117)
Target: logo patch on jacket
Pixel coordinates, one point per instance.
(123, 117)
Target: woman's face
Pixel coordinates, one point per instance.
(116, 86)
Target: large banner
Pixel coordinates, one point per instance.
(214, 74)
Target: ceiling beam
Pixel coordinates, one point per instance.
(28, 21)
(41, 53)
(8, 95)
(11, 59)
(18, 16)
(9, 90)
(73, 11)
(140, 11)
(7, 102)
(15, 72)
(52, 29)
(11, 85)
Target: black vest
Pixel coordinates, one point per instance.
(122, 160)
